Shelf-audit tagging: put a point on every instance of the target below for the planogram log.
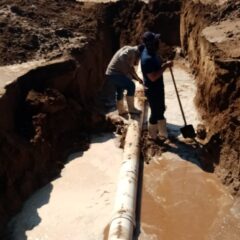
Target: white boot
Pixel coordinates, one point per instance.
(131, 107)
(162, 128)
(152, 131)
(120, 107)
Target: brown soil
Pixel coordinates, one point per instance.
(43, 29)
(50, 29)
(210, 41)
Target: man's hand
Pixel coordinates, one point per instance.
(166, 65)
(169, 64)
(140, 81)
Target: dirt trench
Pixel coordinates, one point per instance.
(50, 111)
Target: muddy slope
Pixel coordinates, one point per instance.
(210, 36)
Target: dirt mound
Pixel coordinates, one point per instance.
(49, 29)
(43, 29)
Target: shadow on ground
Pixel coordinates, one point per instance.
(186, 149)
(28, 218)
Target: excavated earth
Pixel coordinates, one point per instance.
(210, 37)
(50, 111)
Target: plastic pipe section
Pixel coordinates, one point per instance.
(123, 221)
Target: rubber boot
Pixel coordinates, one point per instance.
(120, 107)
(162, 128)
(131, 107)
(152, 131)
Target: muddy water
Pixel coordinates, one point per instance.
(181, 201)
(79, 204)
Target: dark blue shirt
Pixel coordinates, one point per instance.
(150, 63)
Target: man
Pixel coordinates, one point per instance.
(152, 69)
(120, 72)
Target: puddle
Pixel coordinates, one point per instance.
(181, 201)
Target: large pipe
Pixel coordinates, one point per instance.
(123, 220)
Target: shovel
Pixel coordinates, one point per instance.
(188, 130)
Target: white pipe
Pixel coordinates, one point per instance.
(123, 220)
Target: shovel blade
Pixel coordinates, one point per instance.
(188, 131)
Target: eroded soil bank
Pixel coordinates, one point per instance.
(210, 36)
(50, 110)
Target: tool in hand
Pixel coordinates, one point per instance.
(188, 130)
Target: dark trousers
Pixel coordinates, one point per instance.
(156, 98)
(121, 83)
(113, 89)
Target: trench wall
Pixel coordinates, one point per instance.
(217, 68)
(133, 18)
(46, 114)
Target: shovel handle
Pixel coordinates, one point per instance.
(179, 101)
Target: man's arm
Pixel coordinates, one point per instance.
(153, 76)
(135, 76)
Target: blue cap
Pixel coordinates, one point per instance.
(150, 37)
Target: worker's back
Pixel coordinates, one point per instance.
(122, 61)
